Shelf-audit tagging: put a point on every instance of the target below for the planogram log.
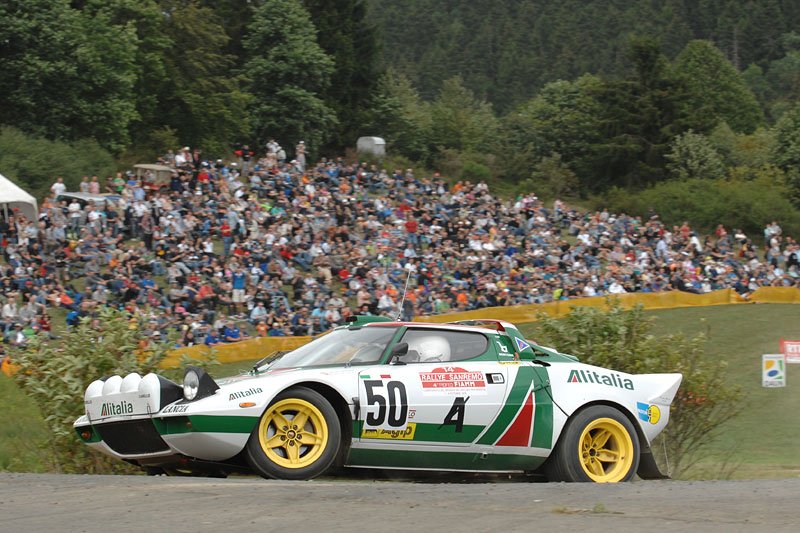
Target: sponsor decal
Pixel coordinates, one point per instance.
(244, 393)
(115, 409)
(147, 395)
(592, 376)
(391, 434)
(648, 413)
(452, 379)
(521, 344)
(175, 409)
(509, 362)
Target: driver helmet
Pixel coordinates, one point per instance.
(433, 348)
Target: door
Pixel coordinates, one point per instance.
(445, 394)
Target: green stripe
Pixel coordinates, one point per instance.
(543, 417)
(442, 460)
(519, 391)
(205, 424)
(447, 433)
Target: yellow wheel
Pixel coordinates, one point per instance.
(293, 433)
(298, 436)
(606, 450)
(598, 444)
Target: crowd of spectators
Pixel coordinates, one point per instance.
(265, 246)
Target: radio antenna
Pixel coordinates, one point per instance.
(403, 301)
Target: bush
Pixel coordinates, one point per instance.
(55, 375)
(34, 162)
(620, 339)
(736, 203)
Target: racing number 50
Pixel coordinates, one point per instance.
(397, 410)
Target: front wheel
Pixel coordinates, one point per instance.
(298, 436)
(599, 444)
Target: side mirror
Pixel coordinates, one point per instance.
(397, 352)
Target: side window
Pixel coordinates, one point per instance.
(433, 345)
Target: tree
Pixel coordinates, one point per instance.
(201, 98)
(640, 116)
(349, 39)
(621, 339)
(564, 118)
(398, 114)
(146, 20)
(715, 90)
(741, 150)
(787, 148)
(67, 74)
(288, 75)
(460, 120)
(556, 177)
(693, 156)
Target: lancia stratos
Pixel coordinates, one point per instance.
(469, 396)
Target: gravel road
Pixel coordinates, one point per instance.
(49, 502)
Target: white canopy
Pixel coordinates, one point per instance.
(13, 197)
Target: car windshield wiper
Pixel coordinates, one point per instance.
(271, 358)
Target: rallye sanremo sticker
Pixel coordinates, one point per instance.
(452, 380)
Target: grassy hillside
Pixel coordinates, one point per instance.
(22, 432)
(759, 443)
(762, 440)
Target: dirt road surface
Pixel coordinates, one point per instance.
(48, 502)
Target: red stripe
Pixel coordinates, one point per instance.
(519, 431)
(385, 376)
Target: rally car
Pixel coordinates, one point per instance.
(469, 396)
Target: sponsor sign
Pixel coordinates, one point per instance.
(773, 370)
(391, 434)
(452, 380)
(791, 351)
(648, 413)
(592, 376)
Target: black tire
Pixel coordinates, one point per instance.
(598, 444)
(276, 448)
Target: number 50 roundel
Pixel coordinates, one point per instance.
(387, 404)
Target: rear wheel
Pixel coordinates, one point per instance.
(599, 444)
(298, 436)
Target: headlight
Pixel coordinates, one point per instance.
(197, 384)
(191, 384)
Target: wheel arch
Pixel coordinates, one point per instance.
(339, 405)
(647, 465)
(643, 443)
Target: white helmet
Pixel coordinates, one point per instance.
(432, 348)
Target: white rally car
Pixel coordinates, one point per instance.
(473, 396)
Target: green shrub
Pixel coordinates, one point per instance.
(55, 375)
(34, 162)
(745, 204)
(620, 339)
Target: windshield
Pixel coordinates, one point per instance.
(354, 346)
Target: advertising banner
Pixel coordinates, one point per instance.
(791, 350)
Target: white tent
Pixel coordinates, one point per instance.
(12, 197)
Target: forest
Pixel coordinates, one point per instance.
(685, 107)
